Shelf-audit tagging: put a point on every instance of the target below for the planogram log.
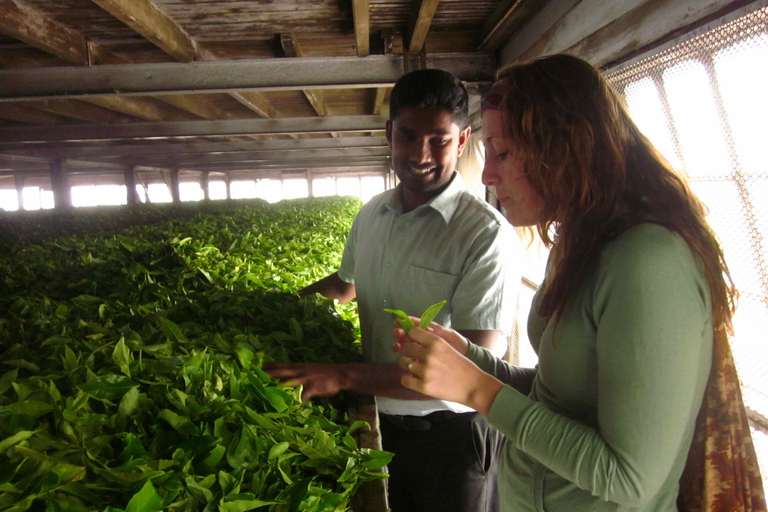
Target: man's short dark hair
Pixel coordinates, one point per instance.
(431, 88)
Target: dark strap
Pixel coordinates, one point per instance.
(420, 423)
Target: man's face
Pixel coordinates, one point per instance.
(425, 145)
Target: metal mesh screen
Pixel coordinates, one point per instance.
(702, 103)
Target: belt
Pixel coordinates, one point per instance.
(420, 423)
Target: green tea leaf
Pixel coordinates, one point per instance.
(404, 320)
(430, 314)
(146, 500)
(15, 438)
(122, 357)
(109, 387)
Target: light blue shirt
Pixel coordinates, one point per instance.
(456, 247)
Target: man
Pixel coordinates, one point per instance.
(431, 235)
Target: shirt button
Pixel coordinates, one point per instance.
(389, 263)
(385, 302)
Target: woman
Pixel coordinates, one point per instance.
(623, 323)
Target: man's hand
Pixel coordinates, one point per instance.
(319, 380)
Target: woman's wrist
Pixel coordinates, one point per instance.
(483, 393)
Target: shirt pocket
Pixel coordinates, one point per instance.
(429, 287)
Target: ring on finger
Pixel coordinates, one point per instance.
(408, 366)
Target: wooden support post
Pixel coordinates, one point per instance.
(62, 198)
(204, 185)
(310, 192)
(229, 185)
(175, 195)
(130, 184)
(19, 179)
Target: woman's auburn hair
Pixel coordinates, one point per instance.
(597, 175)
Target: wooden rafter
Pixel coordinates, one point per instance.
(232, 75)
(196, 106)
(145, 18)
(506, 20)
(257, 103)
(38, 30)
(80, 110)
(227, 127)
(421, 19)
(137, 107)
(120, 150)
(292, 48)
(27, 24)
(378, 102)
(24, 114)
(362, 15)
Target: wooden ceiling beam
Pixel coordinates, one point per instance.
(362, 15)
(81, 111)
(418, 27)
(290, 125)
(136, 107)
(28, 24)
(32, 26)
(232, 75)
(192, 147)
(197, 106)
(508, 17)
(153, 24)
(378, 101)
(257, 103)
(148, 20)
(26, 115)
(161, 160)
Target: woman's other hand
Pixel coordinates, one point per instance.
(435, 368)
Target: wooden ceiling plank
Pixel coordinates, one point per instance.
(26, 115)
(257, 103)
(509, 17)
(150, 130)
(136, 107)
(120, 150)
(378, 102)
(197, 106)
(161, 160)
(28, 24)
(148, 20)
(234, 75)
(421, 19)
(82, 111)
(292, 48)
(362, 15)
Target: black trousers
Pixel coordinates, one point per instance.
(444, 462)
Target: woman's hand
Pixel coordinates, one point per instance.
(437, 369)
(454, 339)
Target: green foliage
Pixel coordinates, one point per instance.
(131, 362)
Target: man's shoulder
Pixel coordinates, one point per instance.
(375, 205)
(473, 208)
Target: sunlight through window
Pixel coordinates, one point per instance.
(242, 189)
(269, 190)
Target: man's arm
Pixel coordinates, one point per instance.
(320, 380)
(333, 287)
(491, 340)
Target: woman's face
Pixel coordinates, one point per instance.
(505, 171)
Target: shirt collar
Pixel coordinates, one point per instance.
(445, 203)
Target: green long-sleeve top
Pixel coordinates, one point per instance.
(605, 421)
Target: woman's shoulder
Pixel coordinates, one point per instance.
(648, 245)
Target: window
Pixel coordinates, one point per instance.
(702, 103)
